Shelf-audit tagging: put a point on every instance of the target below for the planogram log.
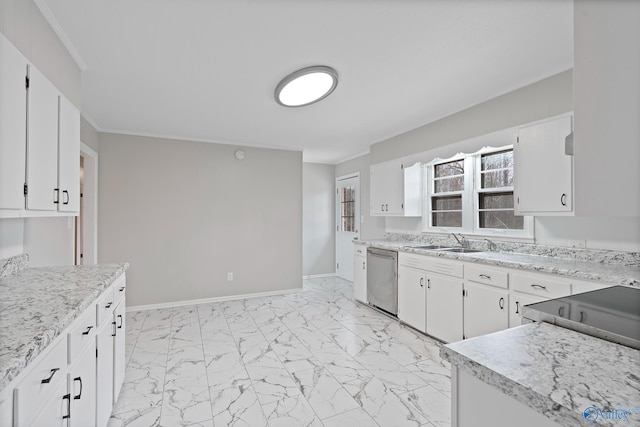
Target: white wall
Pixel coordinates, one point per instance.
(318, 219)
(46, 240)
(184, 214)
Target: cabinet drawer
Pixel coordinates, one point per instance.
(540, 286)
(81, 334)
(486, 275)
(360, 250)
(119, 289)
(39, 384)
(431, 263)
(105, 306)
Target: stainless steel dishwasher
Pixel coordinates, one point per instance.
(382, 279)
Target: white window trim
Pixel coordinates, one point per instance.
(470, 200)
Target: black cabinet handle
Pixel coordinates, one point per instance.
(429, 283)
(66, 202)
(581, 316)
(56, 195)
(108, 305)
(485, 276)
(364, 266)
(88, 330)
(48, 380)
(382, 207)
(536, 286)
(121, 289)
(563, 199)
(517, 307)
(79, 394)
(114, 328)
(501, 303)
(561, 311)
(67, 397)
(120, 317)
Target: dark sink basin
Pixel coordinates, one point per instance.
(461, 250)
(434, 247)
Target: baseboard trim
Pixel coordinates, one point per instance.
(319, 276)
(184, 303)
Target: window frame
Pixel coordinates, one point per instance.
(471, 198)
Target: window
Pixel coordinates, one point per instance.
(473, 194)
(347, 209)
(446, 201)
(494, 190)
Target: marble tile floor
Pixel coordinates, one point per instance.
(311, 358)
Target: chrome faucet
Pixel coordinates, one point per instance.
(490, 244)
(461, 241)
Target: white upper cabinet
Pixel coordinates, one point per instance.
(543, 167)
(396, 190)
(13, 126)
(39, 142)
(42, 143)
(68, 157)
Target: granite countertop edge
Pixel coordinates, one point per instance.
(11, 368)
(526, 262)
(551, 381)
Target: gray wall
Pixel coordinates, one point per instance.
(318, 219)
(184, 214)
(48, 241)
(546, 98)
(89, 135)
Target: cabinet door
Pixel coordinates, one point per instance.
(104, 375)
(386, 188)
(13, 125)
(69, 157)
(412, 297)
(444, 308)
(543, 180)
(118, 350)
(42, 143)
(485, 310)
(516, 302)
(82, 387)
(360, 278)
(56, 412)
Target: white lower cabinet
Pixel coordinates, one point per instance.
(444, 308)
(360, 273)
(56, 412)
(412, 297)
(518, 300)
(82, 388)
(105, 352)
(485, 309)
(77, 379)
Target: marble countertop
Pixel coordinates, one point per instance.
(37, 304)
(556, 372)
(610, 273)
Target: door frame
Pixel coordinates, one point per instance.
(337, 212)
(89, 201)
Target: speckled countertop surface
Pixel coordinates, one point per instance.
(37, 304)
(612, 273)
(556, 372)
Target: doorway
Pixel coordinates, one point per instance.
(86, 223)
(347, 223)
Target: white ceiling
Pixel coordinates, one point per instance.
(206, 70)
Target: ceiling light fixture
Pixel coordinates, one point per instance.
(306, 86)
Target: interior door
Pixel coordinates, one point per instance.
(347, 223)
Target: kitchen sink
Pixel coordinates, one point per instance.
(435, 247)
(461, 250)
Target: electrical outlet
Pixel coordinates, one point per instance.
(230, 277)
(580, 244)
